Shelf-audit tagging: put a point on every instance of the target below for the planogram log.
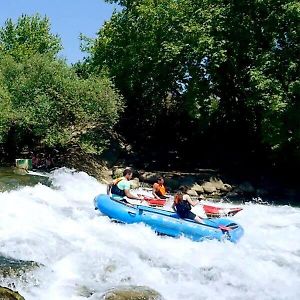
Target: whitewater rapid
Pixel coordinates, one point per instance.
(83, 253)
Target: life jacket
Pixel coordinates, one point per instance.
(160, 190)
(183, 208)
(115, 189)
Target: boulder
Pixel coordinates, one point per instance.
(10, 267)
(134, 183)
(217, 183)
(8, 294)
(149, 177)
(192, 193)
(226, 188)
(209, 188)
(117, 172)
(132, 293)
(198, 188)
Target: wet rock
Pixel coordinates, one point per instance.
(20, 171)
(192, 193)
(134, 183)
(8, 294)
(131, 293)
(232, 194)
(227, 188)
(117, 172)
(209, 188)
(149, 177)
(84, 291)
(198, 188)
(13, 267)
(217, 183)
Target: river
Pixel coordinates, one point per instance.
(54, 223)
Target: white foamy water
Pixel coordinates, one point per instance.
(83, 252)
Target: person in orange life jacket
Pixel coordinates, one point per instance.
(120, 187)
(183, 205)
(159, 190)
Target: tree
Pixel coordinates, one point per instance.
(30, 35)
(229, 66)
(43, 102)
(6, 111)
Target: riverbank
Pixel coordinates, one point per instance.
(204, 183)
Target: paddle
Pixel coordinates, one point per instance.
(225, 228)
(222, 227)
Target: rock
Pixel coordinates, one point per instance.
(134, 183)
(106, 175)
(13, 267)
(117, 172)
(232, 194)
(20, 171)
(226, 187)
(8, 294)
(198, 188)
(131, 293)
(149, 177)
(208, 187)
(217, 183)
(192, 193)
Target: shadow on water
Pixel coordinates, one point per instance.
(11, 178)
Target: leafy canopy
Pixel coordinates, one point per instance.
(28, 36)
(232, 67)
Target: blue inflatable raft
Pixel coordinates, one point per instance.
(167, 222)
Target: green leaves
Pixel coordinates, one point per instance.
(218, 63)
(47, 104)
(43, 101)
(30, 35)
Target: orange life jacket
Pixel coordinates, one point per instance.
(160, 190)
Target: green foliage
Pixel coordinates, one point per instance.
(6, 112)
(53, 107)
(30, 35)
(231, 65)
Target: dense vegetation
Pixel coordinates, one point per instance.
(43, 102)
(224, 74)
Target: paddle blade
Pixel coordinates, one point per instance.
(224, 228)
